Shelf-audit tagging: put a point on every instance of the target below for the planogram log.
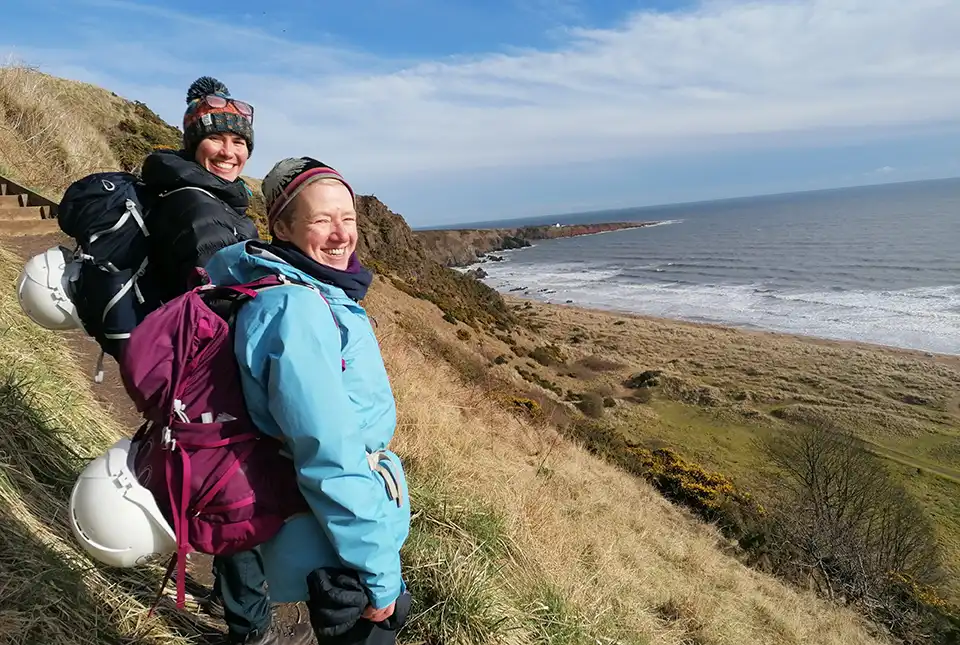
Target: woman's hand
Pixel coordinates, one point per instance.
(377, 615)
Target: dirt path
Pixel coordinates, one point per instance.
(113, 397)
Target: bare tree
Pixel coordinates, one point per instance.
(844, 519)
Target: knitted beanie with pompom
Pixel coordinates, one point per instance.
(202, 119)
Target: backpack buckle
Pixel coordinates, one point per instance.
(167, 441)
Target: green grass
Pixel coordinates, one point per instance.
(703, 435)
(717, 439)
(471, 582)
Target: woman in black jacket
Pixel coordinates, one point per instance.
(200, 208)
(201, 201)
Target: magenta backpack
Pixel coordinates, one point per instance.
(222, 485)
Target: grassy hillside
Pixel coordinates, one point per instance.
(519, 536)
(56, 130)
(527, 527)
(720, 390)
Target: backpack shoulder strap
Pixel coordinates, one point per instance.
(250, 289)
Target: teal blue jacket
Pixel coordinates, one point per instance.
(289, 345)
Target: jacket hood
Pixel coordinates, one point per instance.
(249, 260)
(165, 170)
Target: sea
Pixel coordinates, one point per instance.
(878, 264)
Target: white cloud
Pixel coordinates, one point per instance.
(722, 74)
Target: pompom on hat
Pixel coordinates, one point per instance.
(202, 119)
(290, 176)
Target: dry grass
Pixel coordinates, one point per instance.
(580, 551)
(519, 536)
(50, 592)
(52, 130)
(722, 388)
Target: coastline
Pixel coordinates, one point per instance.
(931, 343)
(457, 248)
(725, 328)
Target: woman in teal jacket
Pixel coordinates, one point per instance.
(313, 375)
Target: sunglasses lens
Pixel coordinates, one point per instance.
(216, 101)
(244, 108)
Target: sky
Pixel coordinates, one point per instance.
(457, 111)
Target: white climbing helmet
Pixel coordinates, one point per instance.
(43, 289)
(115, 519)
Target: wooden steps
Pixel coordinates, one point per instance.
(13, 201)
(14, 228)
(22, 212)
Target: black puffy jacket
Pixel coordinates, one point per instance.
(200, 214)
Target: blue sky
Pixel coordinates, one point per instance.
(466, 111)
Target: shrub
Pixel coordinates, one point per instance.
(712, 496)
(501, 360)
(533, 377)
(463, 334)
(685, 482)
(138, 135)
(916, 612)
(547, 355)
(450, 318)
(609, 402)
(591, 404)
(528, 406)
(648, 378)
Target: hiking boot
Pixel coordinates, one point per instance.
(299, 634)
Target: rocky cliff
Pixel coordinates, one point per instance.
(464, 246)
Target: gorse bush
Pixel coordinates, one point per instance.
(527, 406)
(711, 496)
(533, 377)
(690, 484)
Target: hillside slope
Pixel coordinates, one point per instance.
(56, 130)
(520, 535)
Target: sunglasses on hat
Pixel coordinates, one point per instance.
(216, 101)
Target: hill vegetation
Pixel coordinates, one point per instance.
(577, 477)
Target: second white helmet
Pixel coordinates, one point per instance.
(44, 286)
(114, 518)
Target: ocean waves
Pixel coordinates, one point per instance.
(922, 318)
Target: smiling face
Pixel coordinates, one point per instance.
(321, 221)
(223, 154)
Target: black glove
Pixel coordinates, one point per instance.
(337, 600)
